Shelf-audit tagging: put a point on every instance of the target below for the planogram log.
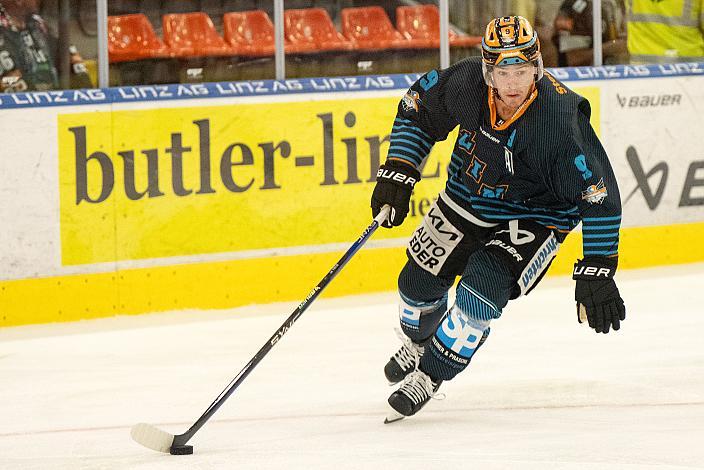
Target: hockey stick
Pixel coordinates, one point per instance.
(154, 438)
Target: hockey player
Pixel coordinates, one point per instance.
(526, 168)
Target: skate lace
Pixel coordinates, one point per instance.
(419, 387)
(409, 355)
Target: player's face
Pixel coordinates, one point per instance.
(514, 82)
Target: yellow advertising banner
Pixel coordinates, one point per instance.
(157, 183)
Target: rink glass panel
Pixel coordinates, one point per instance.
(59, 37)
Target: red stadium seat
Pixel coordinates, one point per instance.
(194, 35)
(131, 37)
(312, 30)
(422, 23)
(369, 28)
(250, 32)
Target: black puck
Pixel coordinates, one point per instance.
(181, 450)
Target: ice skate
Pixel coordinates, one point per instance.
(404, 361)
(417, 390)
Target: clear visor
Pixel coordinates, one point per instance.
(500, 76)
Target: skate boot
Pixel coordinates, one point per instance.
(417, 390)
(404, 361)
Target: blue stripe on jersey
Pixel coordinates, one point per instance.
(400, 122)
(407, 150)
(533, 217)
(415, 131)
(600, 252)
(602, 219)
(613, 243)
(499, 202)
(600, 227)
(418, 142)
(600, 235)
(463, 193)
(505, 211)
(421, 150)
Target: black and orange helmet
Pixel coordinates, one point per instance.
(510, 40)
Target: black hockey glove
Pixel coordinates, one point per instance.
(598, 300)
(394, 185)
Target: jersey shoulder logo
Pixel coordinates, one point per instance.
(411, 101)
(596, 193)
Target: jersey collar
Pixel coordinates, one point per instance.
(500, 126)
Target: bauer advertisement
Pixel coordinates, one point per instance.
(213, 196)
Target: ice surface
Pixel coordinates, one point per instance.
(543, 393)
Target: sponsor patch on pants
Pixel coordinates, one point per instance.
(433, 242)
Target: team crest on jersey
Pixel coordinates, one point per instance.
(476, 169)
(596, 193)
(467, 140)
(492, 192)
(411, 101)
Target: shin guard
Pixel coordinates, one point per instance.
(455, 341)
(419, 320)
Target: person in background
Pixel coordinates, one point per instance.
(28, 51)
(665, 30)
(573, 28)
(525, 8)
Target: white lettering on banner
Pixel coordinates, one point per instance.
(539, 263)
(351, 83)
(192, 90)
(560, 74)
(433, 242)
(145, 92)
(608, 71)
(58, 97)
(674, 69)
(636, 71)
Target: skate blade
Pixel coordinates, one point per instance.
(393, 417)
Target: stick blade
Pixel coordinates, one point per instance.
(152, 437)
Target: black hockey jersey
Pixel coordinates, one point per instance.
(546, 164)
